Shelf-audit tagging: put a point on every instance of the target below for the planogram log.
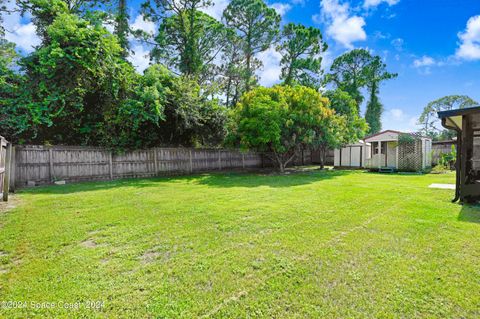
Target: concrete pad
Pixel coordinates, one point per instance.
(442, 186)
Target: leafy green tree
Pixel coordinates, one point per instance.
(429, 118)
(258, 27)
(8, 58)
(13, 119)
(44, 12)
(72, 81)
(191, 117)
(443, 135)
(188, 39)
(349, 72)
(189, 42)
(376, 73)
(135, 123)
(344, 128)
(301, 49)
(165, 109)
(344, 105)
(3, 10)
(281, 120)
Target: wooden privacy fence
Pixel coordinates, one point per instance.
(441, 147)
(36, 165)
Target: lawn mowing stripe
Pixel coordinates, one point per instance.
(335, 240)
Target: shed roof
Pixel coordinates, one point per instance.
(396, 132)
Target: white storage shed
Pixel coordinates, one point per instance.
(352, 155)
(399, 151)
(387, 150)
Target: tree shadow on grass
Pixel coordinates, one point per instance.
(273, 179)
(89, 186)
(268, 178)
(470, 213)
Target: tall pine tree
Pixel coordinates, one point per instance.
(257, 25)
(301, 49)
(376, 72)
(122, 28)
(373, 115)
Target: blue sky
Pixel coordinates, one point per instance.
(433, 45)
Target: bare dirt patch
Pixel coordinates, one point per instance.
(89, 243)
(155, 254)
(150, 256)
(12, 203)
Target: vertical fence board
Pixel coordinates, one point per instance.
(6, 178)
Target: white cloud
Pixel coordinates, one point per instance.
(216, 10)
(327, 60)
(469, 48)
(141, 24)
(281, 8)
(398, 44)
(397, 114)
(343, 28)
(397, 119)
(109, 26)
(140, 58)
(317, 18)
(21, 32)
(270, 73)
(24, 36)
(374, 3)
(380, 36)
(348, 31)
(423, 61)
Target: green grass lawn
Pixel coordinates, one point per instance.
(337, 244)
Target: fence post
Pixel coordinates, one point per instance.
(191, 160)
(155, 161)
(12, 170)
(8, 167)
(50, 162)
(110, 164)
(243, 160)
(220, 160)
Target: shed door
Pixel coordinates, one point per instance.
(391, 154)
(345, 157)
(355, 156)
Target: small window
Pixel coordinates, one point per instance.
(375, 148)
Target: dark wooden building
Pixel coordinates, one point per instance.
(466, 122)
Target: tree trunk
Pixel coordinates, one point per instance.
(248, 74)
(323, 155)
(121, 27)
